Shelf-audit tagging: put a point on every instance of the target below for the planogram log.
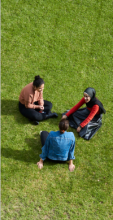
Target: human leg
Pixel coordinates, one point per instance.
(43, 136)
(78, 117)
(91, 128)
(31, 113)
(46, 112)
(47, 106)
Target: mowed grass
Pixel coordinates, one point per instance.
(70, 45)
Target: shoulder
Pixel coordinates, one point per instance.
(70, 135)
(52, 133)
(28, 86)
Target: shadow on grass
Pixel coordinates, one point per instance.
(29, 156)
(22, 155)
(11, 107)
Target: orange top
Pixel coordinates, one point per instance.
(28, 96)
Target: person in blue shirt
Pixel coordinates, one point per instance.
(58, 145)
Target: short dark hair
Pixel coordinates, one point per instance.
(63, 125)
(38, 81)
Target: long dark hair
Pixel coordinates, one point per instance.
(38, 81)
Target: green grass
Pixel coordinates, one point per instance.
(70, 45)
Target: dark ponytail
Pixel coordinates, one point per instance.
(63, 125)
(38, 81)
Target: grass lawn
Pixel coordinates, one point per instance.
(70, 45)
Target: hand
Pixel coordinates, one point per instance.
(64, 117)
(79, 129)
(71, 167)
(41, 107)
(40, 165)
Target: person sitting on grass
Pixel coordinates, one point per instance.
(31, 103)
(86, 120)
(58, 145)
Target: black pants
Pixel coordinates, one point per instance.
(34, 114)
(91, 128)
(43, 137)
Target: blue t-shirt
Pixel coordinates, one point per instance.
(59, 146)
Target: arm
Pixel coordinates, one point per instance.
(29, 105)
(44, 153)
(45, 149)
(76, 107)
(71, 150)
(41, 101)
(93, 112)
(71, 165)
(71, 155)
(40, 164)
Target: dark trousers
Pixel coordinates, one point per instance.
(91, 128)
(43, 137)
(34, 114)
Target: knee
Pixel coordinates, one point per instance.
(38, 116)
(50, 105)
(35, 116)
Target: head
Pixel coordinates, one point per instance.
(89, 94)
(63, 125)
(38, 83)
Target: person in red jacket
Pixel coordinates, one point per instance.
(86, 120)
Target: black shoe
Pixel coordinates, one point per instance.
(36, 123)
(51, 115)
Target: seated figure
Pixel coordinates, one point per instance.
(89, 119)
(31, 103)
(58, 145)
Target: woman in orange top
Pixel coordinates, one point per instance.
(86, 120)
(31, 103)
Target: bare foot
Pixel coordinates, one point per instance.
(71, 167)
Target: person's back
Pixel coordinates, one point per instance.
(58, 146)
